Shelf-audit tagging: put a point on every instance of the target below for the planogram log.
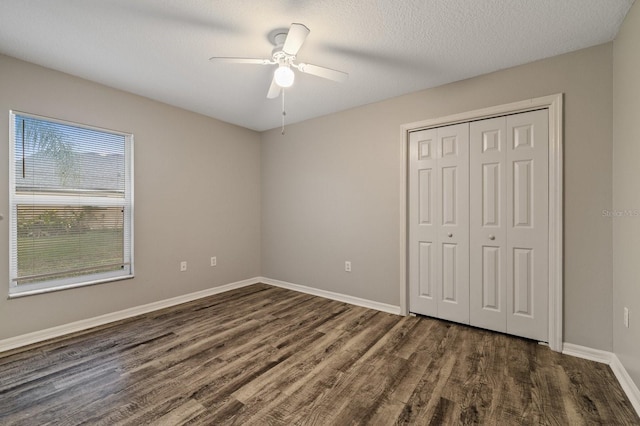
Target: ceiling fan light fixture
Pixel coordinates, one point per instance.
(284, 76)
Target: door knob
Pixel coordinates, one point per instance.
(492, 237)
(449, 235)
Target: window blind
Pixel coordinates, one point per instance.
(71, 201)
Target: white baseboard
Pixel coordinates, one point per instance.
(611, 359)
(391, 309)
(584, 352)
(74, 327)
(630, 388)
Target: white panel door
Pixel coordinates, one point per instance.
(509, 224)
(478, 223)
(528, 223)
(452, 217)
(488, 230)
(422, 222)
(439, 223)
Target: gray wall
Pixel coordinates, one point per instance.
(330, 187)
(626, 192)
(197, 195)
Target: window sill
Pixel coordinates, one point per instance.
(17, 293)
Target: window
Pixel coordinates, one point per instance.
(71, 196)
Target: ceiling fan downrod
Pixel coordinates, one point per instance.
(284, 113)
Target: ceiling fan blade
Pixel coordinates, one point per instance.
(295, 37)
(274, 90)
(229, 60)
(323, 72)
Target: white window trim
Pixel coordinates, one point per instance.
(16, 291)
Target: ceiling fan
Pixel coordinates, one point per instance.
(284, 54)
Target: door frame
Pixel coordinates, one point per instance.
(554, 105)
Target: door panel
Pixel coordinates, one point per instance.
(522, 193)
(449, 257)
(449, 146)
(422, 227)
(522, 282)
(449, 201)
(491, 180)
(425, 283)
(438, 223)
(527, 223)
(425, 195)
(453, 219)
(487, 278)
(491, 283)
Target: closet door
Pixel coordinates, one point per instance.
(528, 223)
(478, 223)
(439, 222)
(422, 222)
(488, 224)
(509, 224)
(452, 216)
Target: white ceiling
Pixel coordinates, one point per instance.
(160, 48)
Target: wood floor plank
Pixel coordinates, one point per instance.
(266, 355)
(423, 405)
(470, 375)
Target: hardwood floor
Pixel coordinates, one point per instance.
(264, 355)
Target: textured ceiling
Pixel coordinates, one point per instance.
(160, 48)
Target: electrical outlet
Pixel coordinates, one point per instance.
(347, 266)
(214, 261)
(183, 266)
(626, 317)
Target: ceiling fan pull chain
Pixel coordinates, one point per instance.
(283, 111)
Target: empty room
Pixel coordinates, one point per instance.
(306, 212)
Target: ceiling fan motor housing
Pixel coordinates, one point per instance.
(277, 54)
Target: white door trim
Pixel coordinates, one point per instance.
(554, 104)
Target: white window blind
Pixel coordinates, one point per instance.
(71, 205)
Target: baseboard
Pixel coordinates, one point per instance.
(630, 388)
(611, 359)
(74, 327)
(391, 309)
(584, 352)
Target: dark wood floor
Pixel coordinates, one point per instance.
(264, 355)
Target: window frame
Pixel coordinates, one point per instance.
(19, 290)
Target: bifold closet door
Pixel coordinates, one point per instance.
(488, 229)
(528, 225)
(439, 222)
(509, 224)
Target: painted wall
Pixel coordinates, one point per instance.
(626, 192)
(330, 187)
(197, 195)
